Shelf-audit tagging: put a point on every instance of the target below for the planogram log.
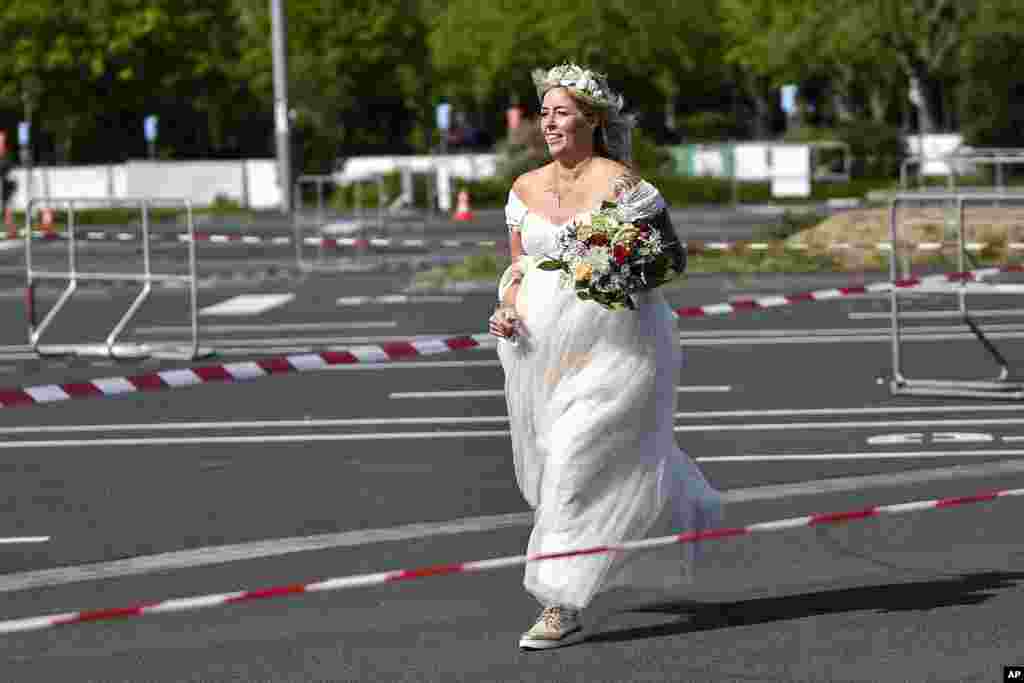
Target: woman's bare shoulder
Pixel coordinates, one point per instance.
(611, 166)
(530, 184)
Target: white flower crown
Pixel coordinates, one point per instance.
(592, 85)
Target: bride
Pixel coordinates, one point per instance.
(591, 392)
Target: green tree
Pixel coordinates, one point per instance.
(852, 41)
(88, 66)
(356, 72)
(992, 95)
(486, 51)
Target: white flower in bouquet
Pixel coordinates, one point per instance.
(599, 259)
(604, 222)
(652, 246)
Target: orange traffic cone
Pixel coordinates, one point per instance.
(462, 210)
(47, 221)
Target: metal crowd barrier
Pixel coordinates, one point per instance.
(309, 222)
(1000, 387)
(997, 157)
(109, 347)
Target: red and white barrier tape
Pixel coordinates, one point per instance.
(283, 240)
(693, 247)
(232, 372)
(381, 578)
(706, 247)
(235, 372)
(763, 303)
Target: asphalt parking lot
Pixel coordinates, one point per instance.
(369, 467)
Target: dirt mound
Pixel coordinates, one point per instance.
(864, 229)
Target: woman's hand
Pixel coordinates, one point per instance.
(504, 322)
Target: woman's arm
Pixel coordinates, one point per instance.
(643, 198)
(521, 188)
(674, 246)
(515, 250)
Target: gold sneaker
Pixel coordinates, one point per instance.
(556, 626)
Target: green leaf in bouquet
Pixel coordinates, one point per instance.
(606, 205)
(552, 265)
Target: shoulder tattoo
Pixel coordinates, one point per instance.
(625, 182)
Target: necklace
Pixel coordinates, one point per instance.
(576, 174)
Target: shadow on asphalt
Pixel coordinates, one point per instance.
(691, 617)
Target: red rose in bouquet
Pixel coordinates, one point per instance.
(620, 252)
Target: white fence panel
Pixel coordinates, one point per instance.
(753, 162)
(933, 147)
(468, 166)
(262, 189)
(200, 181)
(791, 171)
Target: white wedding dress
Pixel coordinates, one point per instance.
(591, 400)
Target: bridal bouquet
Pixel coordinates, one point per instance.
(606, 259)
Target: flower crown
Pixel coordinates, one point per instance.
(591, 85)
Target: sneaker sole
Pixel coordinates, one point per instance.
(545, 644)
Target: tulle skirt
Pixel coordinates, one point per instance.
(591, 400)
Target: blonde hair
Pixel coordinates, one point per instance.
(596, 100)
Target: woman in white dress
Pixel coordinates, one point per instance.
(591, 392)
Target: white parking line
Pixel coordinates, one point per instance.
(23, 539)
(211, 555)
(868, 455)
(291, 327)
(482, 393)
(311, 423)
(247, 304)
(286, 345)
(881, 424)
(929, 315)
(260, 344)
(880, 410)
(266, 438)
(454, 434)
(906, 336)
(398, 299)
(500, 393)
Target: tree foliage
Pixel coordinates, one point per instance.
(992, 95)
(356, 71)
(485, 51)
(88, 67)
(859, 45)
(365, 74)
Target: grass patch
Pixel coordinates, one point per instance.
(476, 267)
(486, 266)
(790, 223)
(761, 262)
